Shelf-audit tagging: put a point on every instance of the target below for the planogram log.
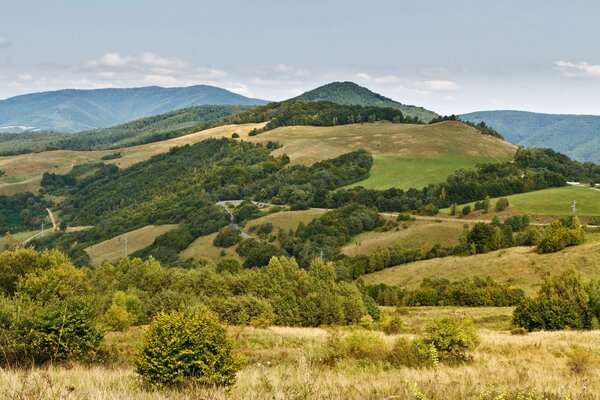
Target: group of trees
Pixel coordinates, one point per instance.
(474, 292)
(53, 311)
(563, 302)
(22, 211)
(317, 113)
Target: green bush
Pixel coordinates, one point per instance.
(177, 348)
(560, 234)
(392, 324)
(502, 204)
(412, 354)
(35, 333)
(452, 337)
(227, 237)
(561, 303)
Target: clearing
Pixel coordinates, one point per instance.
(112, 250)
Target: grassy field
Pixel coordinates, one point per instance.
(15, 239)
(203, 248)
(286, 220)
(405, 155)
(112, 250)
(284, 363)
(545, 205)
(417, 234)
(519, 266)
(24, 172)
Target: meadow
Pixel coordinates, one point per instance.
(112, 250)
(405, 155)
(522, 267)
(24, 172)
(286, 363)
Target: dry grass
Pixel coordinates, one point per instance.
(283, 363)
(203, 248)
(405, 155)
(419, 234)
(112, 250)
(286, 220)
(518, 266)
(24, 172)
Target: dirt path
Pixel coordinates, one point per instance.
(54, 228)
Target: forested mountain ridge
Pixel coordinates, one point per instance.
(73, 110)
(577, 136)
(350, 93)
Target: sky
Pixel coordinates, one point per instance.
(448, 56)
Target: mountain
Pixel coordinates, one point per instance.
(74, 110)
(351, 93)
(578, 136)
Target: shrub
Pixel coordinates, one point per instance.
(466, 210)
(412, 354)
(227, 237)
(235, 135)
(560, 234)
(178, 347)
(392, 324)
(580, 360)
(403, 217)
(452, 337)
(363, 344)
(230, 265)
(117, 317)
(35, 333)
(502, 204)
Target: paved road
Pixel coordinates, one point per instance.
(232, 220)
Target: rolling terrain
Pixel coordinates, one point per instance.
(577, 136)
(77, 110)
(405, 155)
(518, 266)
(24, 172)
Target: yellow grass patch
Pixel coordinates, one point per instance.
(112, 250)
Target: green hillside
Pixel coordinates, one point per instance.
(351, 93)
(145, 130)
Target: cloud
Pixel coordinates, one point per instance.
(4, 42)
(149, 69)
(578, 70)
(440, 86)
(382, 80)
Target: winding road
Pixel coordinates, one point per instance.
(54, 227)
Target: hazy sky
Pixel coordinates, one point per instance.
(449, 56)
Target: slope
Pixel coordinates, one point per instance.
(578, 136)
(24, 172)
(76, 110)
(351, 93)
(518, 266)
(405, 155)
(144, 130)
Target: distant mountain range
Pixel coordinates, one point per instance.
(351, 93)
(74, 110)
(577, 136)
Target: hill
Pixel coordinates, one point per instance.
(351, 93)
(144, 130)
(578, 136)
(405, 155)
(519, 266)
(74, 110)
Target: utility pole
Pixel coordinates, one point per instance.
(42, 228)
(574, 207)
(126, 243)
(321, 255)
